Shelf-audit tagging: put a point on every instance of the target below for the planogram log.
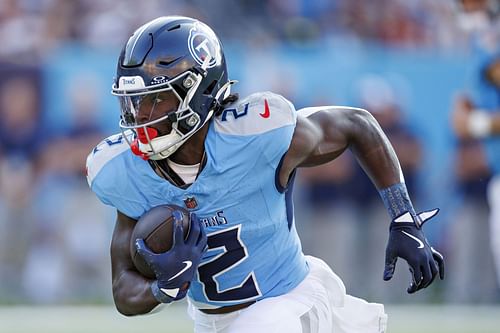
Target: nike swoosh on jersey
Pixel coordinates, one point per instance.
(188, 264)
(420, 243)
(266, 113)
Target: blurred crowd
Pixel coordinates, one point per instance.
(31, 28)
(54, 234)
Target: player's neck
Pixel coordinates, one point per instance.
(192, 151)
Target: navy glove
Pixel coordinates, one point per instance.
(407, 240)
(175, 268)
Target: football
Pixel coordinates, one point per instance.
(156, 228)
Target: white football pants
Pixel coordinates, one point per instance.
(319, 304)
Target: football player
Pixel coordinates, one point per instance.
(187, 140)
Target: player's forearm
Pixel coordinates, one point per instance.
(132, 294)
(377, 157)
(373, 150)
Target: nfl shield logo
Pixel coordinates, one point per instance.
(190, 202)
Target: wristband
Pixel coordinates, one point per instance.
(397, 201)
(479, 124)
(160, 295)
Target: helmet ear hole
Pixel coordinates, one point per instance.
(210, 88)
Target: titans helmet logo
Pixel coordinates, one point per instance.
(204, 46)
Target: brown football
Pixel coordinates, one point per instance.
(156, 228)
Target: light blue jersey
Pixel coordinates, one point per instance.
(254, 250)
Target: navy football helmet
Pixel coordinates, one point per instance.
(171, 57)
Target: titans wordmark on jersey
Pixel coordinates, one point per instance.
(253, 248)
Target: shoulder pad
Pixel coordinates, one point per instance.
(103, 153)
(256, 114)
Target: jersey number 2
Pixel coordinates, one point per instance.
(234, 252)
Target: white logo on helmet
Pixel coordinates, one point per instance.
(159, 79)
(204, 46)
(131, 82)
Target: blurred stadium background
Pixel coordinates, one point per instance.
(403, 60)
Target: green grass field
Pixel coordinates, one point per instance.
(97, 319)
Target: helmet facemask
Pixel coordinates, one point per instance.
(150, 140)
(177, 55)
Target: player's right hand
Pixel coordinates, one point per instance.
(407, 241)
(175, 268)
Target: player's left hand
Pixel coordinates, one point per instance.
(407, 241)
(175, 268)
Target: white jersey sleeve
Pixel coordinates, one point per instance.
(262, 117)
(101, 157)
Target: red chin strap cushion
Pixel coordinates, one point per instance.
(151, 133)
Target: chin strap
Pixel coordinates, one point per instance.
(225, 89)
(225, 92)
